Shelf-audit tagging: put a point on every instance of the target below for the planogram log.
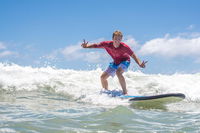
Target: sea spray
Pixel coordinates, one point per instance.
(85, 85)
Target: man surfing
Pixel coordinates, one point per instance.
(121, 53)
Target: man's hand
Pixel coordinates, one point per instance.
(143, 64)
(84, 44)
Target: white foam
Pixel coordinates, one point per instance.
(85, 85)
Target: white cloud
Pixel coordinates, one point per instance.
(181, 45)
(75, 52)
(72, 52)
(171, 47)
(95, 57)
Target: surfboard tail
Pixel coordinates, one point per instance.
(170, 95)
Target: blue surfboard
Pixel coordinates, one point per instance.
(170, 96)
(147, 102)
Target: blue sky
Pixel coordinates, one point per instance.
(49, 32)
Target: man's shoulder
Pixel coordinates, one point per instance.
(106, 43)
(124, 44)
(127, 48)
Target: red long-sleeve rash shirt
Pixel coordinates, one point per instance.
(119, 54)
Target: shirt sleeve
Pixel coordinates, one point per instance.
(100, 45)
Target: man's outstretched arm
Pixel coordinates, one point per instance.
(137, 60)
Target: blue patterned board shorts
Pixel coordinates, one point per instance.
(112, 68)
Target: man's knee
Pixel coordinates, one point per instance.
(104, 76)
(119, 72)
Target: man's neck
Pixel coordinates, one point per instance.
(116, 46)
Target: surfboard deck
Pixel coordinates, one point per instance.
(169, 96)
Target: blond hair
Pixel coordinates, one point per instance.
(117, 33)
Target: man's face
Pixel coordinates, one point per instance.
(117, 40)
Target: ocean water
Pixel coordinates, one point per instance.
(49, 100)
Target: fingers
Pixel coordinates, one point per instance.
(143, 65)
(84, 42)
(145, 62)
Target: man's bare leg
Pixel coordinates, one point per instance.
(122, 81)
(104, 81)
